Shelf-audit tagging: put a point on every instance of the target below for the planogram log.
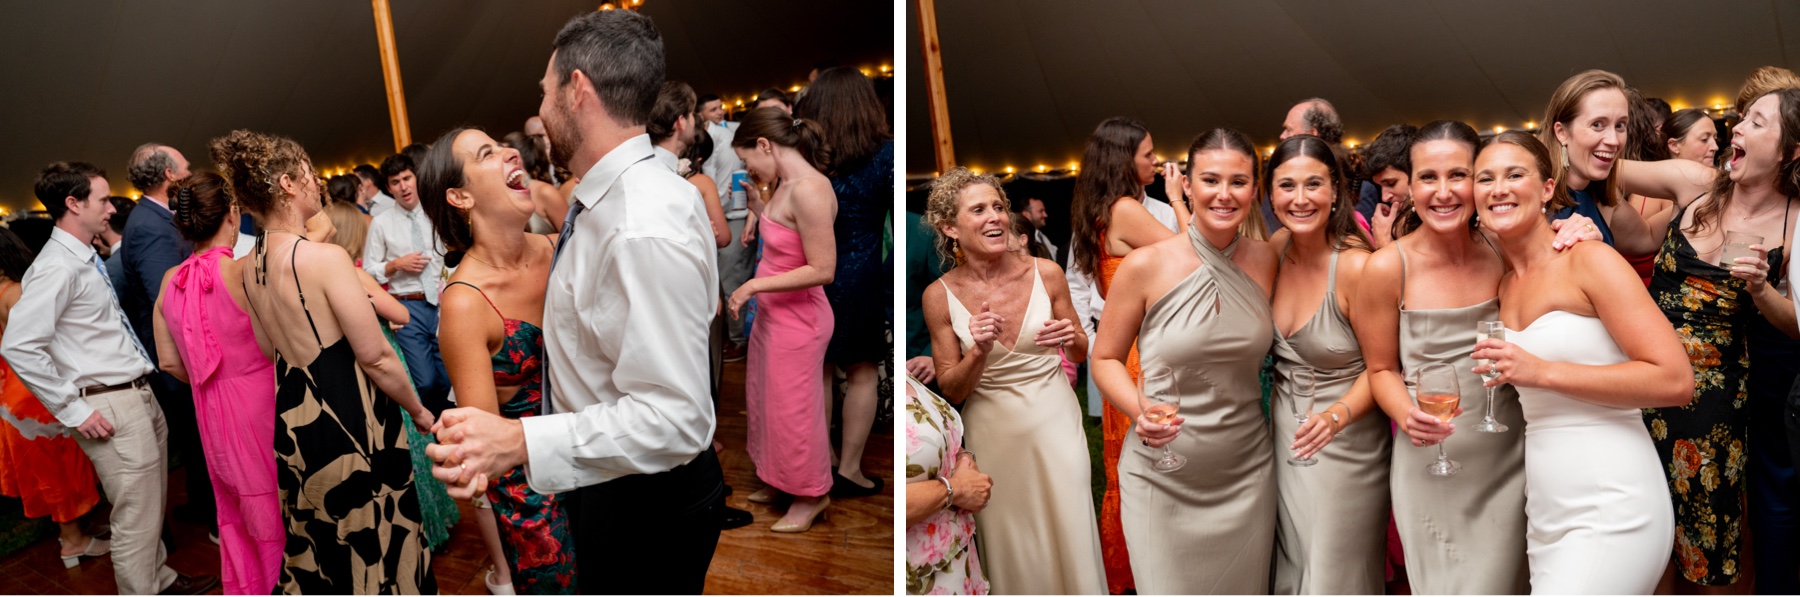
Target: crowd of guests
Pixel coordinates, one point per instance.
(1502, 364)
(338, 360)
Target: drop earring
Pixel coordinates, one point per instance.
(1565, 157)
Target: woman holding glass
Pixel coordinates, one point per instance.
(1331, 518)
(1197, 306)
(1713, 282)
(1108, 221)
(998, 321)
(1418, 303)
(1584, 361)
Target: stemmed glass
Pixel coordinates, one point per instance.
(1497, 331)
(1437, 393)
(1157, 398)
(1300, 405)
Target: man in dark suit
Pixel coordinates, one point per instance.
(152, 247)
(114, 237)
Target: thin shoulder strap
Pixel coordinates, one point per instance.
(1331, 271)
(1490, 244)
(1398, 248)
(292, 253)
(484, 296)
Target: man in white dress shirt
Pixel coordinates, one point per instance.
(632, 292)
(737, 259)
(402, 252)
(71, 344)
(1033, 211)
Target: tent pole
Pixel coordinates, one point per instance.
(934, 85)
(390, 72)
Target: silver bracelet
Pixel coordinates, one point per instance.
(949, 493)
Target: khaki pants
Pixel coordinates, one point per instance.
(133, 467)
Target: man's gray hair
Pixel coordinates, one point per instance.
(149, 166)
(1322, 118)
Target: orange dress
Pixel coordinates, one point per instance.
(40, 463)
(1113, 427)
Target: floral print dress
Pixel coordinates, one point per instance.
(1702, 445)
(534, 528)
(940, 550)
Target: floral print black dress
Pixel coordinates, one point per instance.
(1702, 445)
(534, 528)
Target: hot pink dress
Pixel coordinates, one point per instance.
(784, 384)
(234, 399)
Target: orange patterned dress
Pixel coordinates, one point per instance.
(1113, 427)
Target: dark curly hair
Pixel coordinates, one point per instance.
(201, 203)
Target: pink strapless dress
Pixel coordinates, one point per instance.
(784, 381)
(234, 400)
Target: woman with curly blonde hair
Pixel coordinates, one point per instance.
(998, 321)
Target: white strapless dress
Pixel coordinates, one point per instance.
(1598, 510)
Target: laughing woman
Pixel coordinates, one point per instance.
(479, 198)
(1331, 519)
(998, 320)
(1714, 308)
(1198, 305)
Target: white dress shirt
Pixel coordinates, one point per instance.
(1159, 209)
(626, 317)
(1044, 239)
(723, 162)
(67, 332)
(380, 203)
(391, 235)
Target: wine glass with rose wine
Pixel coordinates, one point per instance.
(1157, 398)
(1437, 393)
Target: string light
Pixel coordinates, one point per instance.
(795, 89)
(1074, 166)
(1531, 126)
(1009, 169)
(1499, 129)
(1042, 168)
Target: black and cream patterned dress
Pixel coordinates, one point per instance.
(346, 481)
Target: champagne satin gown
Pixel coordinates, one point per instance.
(1210, 526)
(1037, 534)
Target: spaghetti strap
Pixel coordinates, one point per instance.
(1503, 265)
(292, 253)
(484, 297)
(1402, 252)
(1331, 272)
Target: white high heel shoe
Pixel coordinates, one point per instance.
(496, 589)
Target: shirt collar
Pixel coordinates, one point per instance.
(667, 157)
(82, 251)
(599, 179)
(159, 203)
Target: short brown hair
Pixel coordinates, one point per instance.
(674, 101)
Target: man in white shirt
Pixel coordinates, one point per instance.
(737, 259)
(534, 130)
(631, 295)
(71, 344)
(402, 253)
(369, 196)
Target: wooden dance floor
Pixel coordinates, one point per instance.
(850, 552)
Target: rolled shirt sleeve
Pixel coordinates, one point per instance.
(30, 328)
(651, 410)
(375, 257)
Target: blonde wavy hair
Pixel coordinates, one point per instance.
(941, 205)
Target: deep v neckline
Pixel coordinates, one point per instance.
(1329, 297)
(1037, 281)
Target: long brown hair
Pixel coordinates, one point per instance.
(845, 105)
(1787, 174)
(1108, 172)
(1561, 110)
(1341, 229)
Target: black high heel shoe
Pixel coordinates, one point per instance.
(842, 486)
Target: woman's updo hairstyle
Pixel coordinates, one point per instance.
(783, 129)
(201, 203)
(342, 188)
(254, 163)
(1408, 219)
(440, 171)
(1234, 140)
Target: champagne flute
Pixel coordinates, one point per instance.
(1300, 405)
(1157, 398)
(1437, 393)
(1497, 331)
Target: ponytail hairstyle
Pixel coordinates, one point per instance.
(1108, 172)
(1538, 151)
(342, 188)
(1442, 130)
(1233, 140)
(1676, 127)
(201, 204)
(780, 128)
(1787, 173)
(440, 171)
(1341, 229)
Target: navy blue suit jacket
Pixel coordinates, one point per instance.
(151, 248)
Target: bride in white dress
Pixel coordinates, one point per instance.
(1586, 348)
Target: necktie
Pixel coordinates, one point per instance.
(129, 331)
(427, 281)
(568, 234)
